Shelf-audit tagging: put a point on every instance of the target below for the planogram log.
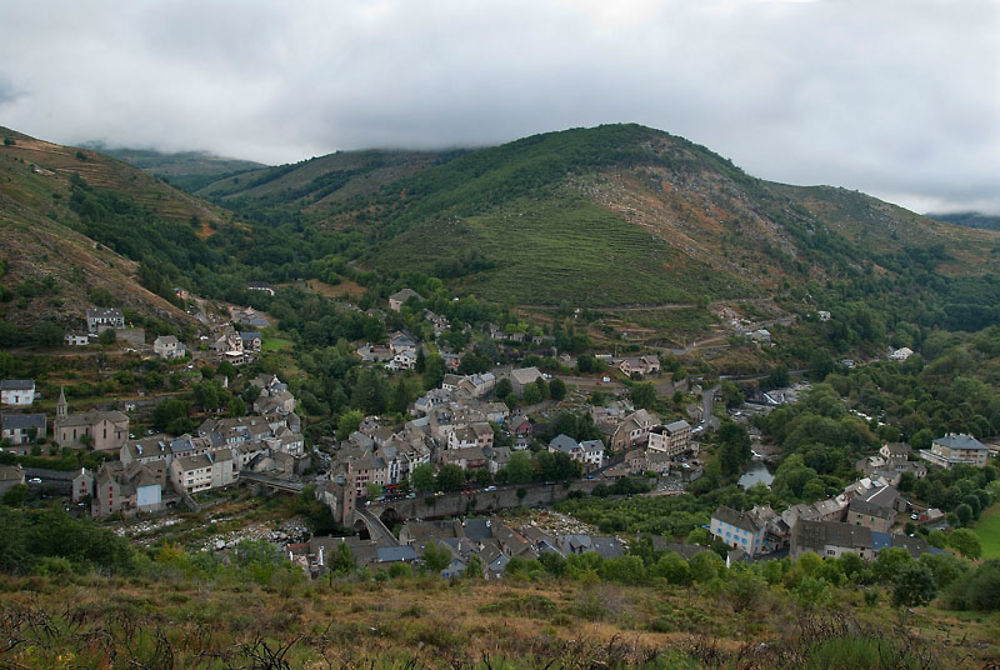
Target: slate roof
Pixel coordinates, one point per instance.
(395, 554)
(738, 519)
(866, 508)
(17, 384)
(405, 294)
(92, 417)
(563, 443)
(23, 421)
(816, 535)
(960, 441)
(186, 463)
(676, 426)
(525, 375)
(607, 547)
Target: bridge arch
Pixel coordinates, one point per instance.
(366, 523)
(362, 530)
(389, 517)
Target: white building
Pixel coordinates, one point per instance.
(211, 470)
(17, 392)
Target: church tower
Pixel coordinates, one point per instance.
(62, 408)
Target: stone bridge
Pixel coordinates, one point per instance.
(475, 502)
(363, 519)
(275, 483)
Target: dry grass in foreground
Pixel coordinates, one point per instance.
(96, 622)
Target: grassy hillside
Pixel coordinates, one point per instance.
(547, 251)
(67, 620)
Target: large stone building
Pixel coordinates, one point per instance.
(671, 439)
(125, 489)
(634, 430)
(956, 449)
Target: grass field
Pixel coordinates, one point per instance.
(274, 343)
(987, 529)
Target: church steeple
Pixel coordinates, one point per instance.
(61, 406)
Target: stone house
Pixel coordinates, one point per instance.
(744, 530)
(83, 485)
(168, 347)
(127, 489)
(252, 340)
(831, 539)
(100, 319)
(671, 439)
(399, 298)
(634, 430)
(211, 470)
(641, 366)
(23, 428)
(521, 377)
(76, 339)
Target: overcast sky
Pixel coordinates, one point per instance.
(898, 99)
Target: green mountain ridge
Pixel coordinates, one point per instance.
(618, 215)
(643, 217)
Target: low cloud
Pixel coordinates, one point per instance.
(897, 99)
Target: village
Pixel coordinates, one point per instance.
(457, 463)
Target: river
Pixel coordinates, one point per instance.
(756, 472)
